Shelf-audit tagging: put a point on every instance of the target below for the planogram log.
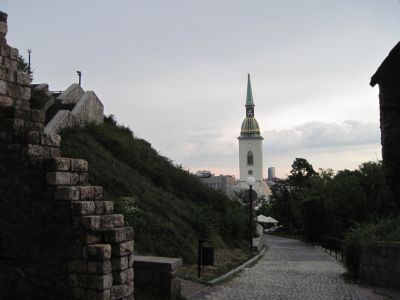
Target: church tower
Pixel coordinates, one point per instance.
(250, 148)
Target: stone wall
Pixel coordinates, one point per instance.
(89, 109)
(74, 107)
(380, 264)
(158, 274)
(58, 238)
(388, 78)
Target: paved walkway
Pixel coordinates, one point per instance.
(290, 269)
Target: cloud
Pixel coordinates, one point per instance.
(322, 135)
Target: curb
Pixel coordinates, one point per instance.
(238, 269)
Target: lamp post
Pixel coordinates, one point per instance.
(250, 181)
(29, 61)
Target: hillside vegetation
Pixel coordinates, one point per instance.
(169, 208)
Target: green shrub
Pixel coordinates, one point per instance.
(382, 230)
(352, 252)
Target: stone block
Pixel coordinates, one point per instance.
(3, 87)
(129, 291)
(122, 249)
(99, 207)
(51, 140)
(58, 178)
(98, 192)
(3, 28)
(118, 235)
(118, 291)
(57, 164)
(37, 115)
(5, 50)
(73, 280)
(90, 223)
(83, 280)
(79, 294)
(131, 259)
(79, 165)
(87, 192)
(166, 264)
(25, 93)
(111, 221)
(82, 208)
(5, 101)
(34, 150)
(120, 263)
(70, 193)
(4, 73)
(88, 238)
(122, 277)
(99, 294)
(100, 282)
(97, 252)
(83, 178)
(78, 266)
(22, 78)
(74, 178)
(14, 53)
(99, 267)
(55, 152)
(33, 137)
(108, 206)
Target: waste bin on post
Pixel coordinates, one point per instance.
(205, 256)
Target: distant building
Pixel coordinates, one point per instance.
(271, 173)
(223, 183)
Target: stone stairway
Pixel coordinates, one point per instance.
(101, 265)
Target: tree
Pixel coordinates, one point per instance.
(301, 171)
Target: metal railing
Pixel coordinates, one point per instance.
(331, 245)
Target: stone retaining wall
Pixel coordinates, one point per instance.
(158, 274)
(58, 238)
(380, 264)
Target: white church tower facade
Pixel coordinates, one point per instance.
(250, 149)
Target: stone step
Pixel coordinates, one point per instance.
(77, 193)
(118, 235)
(65, 164)
(87, 208)
(55, 178)
(94, 223)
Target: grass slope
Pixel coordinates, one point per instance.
(168, 207)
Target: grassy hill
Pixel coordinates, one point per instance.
(169, 208)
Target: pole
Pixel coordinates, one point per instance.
(79, 75)
(199, 259)
(251, 220)
(29, 61)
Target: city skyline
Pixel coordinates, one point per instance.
(175, 72)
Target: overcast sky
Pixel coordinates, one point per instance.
(175, 72)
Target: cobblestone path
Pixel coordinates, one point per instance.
(290, 269)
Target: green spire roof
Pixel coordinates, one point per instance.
(249, 97)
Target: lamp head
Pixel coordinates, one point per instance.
(250, 180)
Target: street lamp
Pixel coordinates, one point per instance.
(250, 182)
(29, 61)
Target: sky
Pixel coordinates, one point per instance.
(175, 72)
